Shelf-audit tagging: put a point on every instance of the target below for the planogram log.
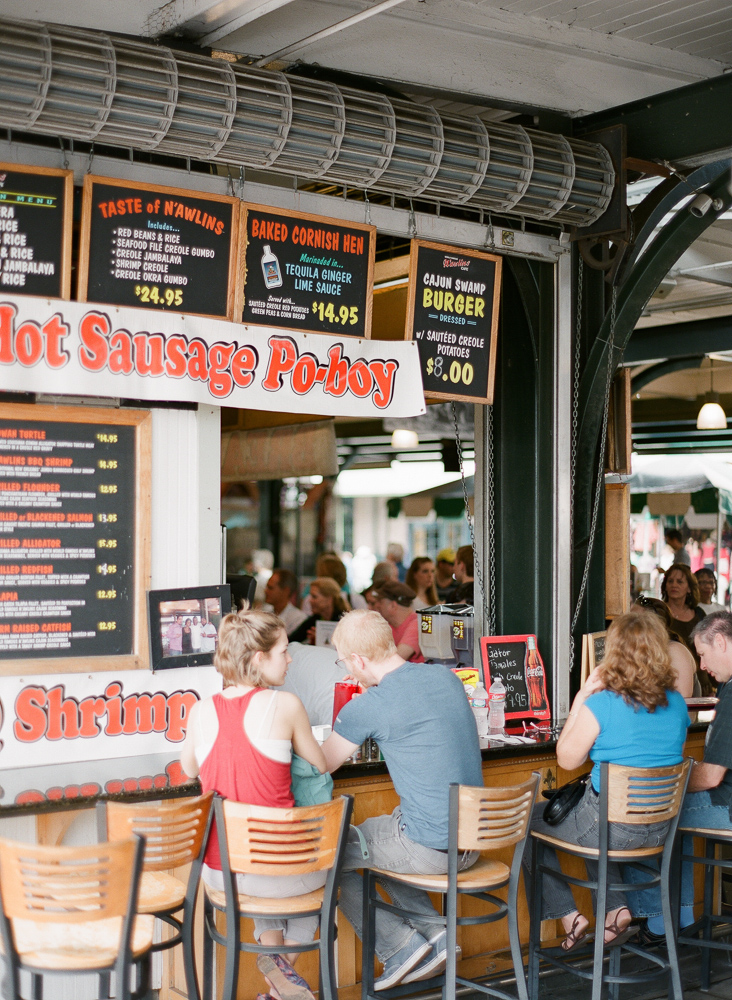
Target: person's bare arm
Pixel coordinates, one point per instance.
(188, 752)
(581, 728)
(337, 750)
(704, 776)
(303, 742)
(685, 668)
(405, 650)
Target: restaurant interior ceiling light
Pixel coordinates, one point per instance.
(403, 438)
(711, 416)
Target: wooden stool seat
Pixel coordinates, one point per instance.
(83, 946)
(593, 852)
(160, 891)
(263, 905)
(701, 831)
(484, 874)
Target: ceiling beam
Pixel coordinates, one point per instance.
(226, 16)
(679, 340)
(690, 124)
(654, 372)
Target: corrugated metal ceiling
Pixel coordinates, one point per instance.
(698, 27)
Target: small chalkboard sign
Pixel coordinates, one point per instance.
(159, 248)
(452, 313)
(593, 651)
(36, 215)
(517, 660)
(305, 272)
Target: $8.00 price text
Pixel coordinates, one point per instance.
(456, 373)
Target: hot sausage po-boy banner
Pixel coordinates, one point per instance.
(48, 345)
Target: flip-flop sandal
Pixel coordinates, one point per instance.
(573, 939)
(281, 975)
(620, 936)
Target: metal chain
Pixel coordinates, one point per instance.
(601, 461)
(575, 409)
(490, 537)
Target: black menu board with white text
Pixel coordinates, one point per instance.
(452, 313)
(35, 230)
(159, 248)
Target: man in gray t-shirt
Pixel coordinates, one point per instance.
(420, 717)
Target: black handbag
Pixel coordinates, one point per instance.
(563, 800)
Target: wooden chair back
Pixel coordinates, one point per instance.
(645, 795)
(69, 885)
(493, 818)
(266, 841)
(173, 831)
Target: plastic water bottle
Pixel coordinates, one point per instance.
(480, 709)
(497, 707)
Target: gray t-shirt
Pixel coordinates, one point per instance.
(718, 749)
(420, 717)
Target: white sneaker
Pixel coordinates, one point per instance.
(396, 967)
(434, 963)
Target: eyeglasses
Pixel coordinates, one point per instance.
(340, 662)
(645, 602)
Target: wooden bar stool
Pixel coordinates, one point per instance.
(481, 819)
(700, 932)
(628, 795)
(73, 910)
(175, 835)
(261, 841)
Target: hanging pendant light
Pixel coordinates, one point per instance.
(711, 416)
(403, 438)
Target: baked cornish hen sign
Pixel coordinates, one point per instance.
(47, 345)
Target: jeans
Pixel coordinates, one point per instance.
(698, 810)
(389, 847)
(581, 827)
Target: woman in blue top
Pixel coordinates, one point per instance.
(628, 713)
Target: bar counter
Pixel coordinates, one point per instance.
(65, 789)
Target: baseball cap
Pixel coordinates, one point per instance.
(392, 590)
(446, 555)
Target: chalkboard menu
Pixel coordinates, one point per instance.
(69, 534)
(36, 210)
(516, 659)
(159, 248)
(452, 313)
(593, 652)
(305, 272)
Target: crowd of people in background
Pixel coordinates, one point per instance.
(396, 591)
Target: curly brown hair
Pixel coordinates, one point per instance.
(636, 663)
(692, 598)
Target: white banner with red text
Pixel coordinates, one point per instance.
(80, 348)
(65, 718)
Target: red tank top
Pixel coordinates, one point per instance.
(237, 770)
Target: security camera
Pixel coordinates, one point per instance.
(700, 205)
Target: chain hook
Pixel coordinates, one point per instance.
(91, 159)
(412, 221)
(490, 239)
(368, 207)
(63, 150)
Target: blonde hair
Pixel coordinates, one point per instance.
(241, 635)
(328, 587)
(366, 633)
(636, 664)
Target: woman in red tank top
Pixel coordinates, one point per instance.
(240, 743)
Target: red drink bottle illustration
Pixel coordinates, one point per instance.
(534, 672)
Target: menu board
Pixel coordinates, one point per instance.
(36, 212)
(305, 272)
(159, 248)
(593, 652)
(452, 313)
(69, 534)
(516, 659)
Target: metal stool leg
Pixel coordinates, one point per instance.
(706, 966)
(326, 951)
(614, 970)
(600, 915)
(208, 951)
(537, 859)
(668, 923)
(369, 935)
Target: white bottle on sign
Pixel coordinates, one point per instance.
(271, 269)
(497, 706)
(480, 709)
